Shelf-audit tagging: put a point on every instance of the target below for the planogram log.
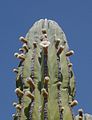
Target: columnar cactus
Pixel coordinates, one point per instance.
(45, 84)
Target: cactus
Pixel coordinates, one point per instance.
(45, 83)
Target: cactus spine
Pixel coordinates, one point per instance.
(45, 84)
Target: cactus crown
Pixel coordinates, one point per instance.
(45, 84)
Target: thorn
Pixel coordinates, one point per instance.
(80, 118)
(44, 44)
(44, 31)
(14, 104)
(44, 92)
(64, 42)
(15, 70)
(41, 38)
(29, 94)
(73, 103)
(57, 43)
(35, 44)
(60, 50)
(19, 92)
(59, 84)
(46, 80)
(23, 39)
(70, 64)
(69, 53)
(16, 54)
(25, 47)
(45, 35)
(62, 109)
(13, 115)
(18, 106)
(21, 56)
(80, 111)
(30, 82)
(40, 109)
(21, 49)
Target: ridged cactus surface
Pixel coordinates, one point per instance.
(45, 84)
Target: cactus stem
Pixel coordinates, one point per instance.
(29, 94)
(44, 92)
(23, 39)
(57, 43)
(30, 82)
(25, 47)
(60, 50)
(69, 53)
(18, 106)
(70, 64)
(46, 80)
(73, 103)
(19, 92)
(15, 70)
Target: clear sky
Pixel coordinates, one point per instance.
(75, 17)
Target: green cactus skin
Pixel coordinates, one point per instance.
(45, 84)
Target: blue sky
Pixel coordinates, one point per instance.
(75, 17)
